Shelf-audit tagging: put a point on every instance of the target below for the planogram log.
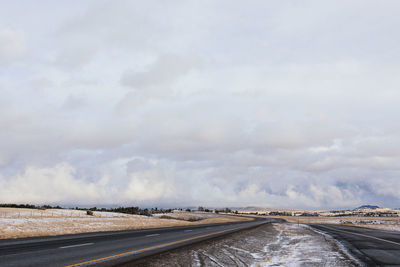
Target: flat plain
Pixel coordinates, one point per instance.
(18, 223)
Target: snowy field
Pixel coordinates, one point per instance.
(16, 223)
(187, 216)
(381, 223)
(277, 244)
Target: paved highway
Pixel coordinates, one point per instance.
(108, 248)
(373, 247)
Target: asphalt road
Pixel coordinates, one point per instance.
(108, 248)
(373, 247)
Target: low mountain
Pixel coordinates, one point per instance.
(372, 207)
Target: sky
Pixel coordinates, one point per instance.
(279, 104)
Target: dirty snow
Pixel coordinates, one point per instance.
(276, 244)
(295, 245)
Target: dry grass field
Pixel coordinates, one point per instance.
(17, 223)
(382, 223)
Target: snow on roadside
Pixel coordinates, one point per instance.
(388, 225)
(296, 245)
(339, 245)
(276, 244)
(380, 223)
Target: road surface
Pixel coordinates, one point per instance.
(373, 247)
(108, 248)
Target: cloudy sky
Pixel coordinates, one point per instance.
(185, 103)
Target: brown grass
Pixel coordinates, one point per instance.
(17, 223)
(330, 220)
(382, 223)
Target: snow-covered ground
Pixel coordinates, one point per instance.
(32, 222)
(277, 244)
(296, 245)
(382, 223)
(391, 225)
(188, 216)
(63, 213)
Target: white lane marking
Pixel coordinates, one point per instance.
(372, 237)
(153, 235)
(187, 230)
(78, 245)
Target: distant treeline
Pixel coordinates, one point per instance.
(128, 210)
(29, 206)
(131, 210)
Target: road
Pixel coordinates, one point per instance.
(373, 247)
(108, 248)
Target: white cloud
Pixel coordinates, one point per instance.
(12, 45)
(163, 72)
(48, 185)
(148, 187)
(211, 103)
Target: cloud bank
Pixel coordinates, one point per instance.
(214, 103)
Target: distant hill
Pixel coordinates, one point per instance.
(372, 207)
(249, 208)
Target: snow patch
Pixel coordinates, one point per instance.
(293, 246)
